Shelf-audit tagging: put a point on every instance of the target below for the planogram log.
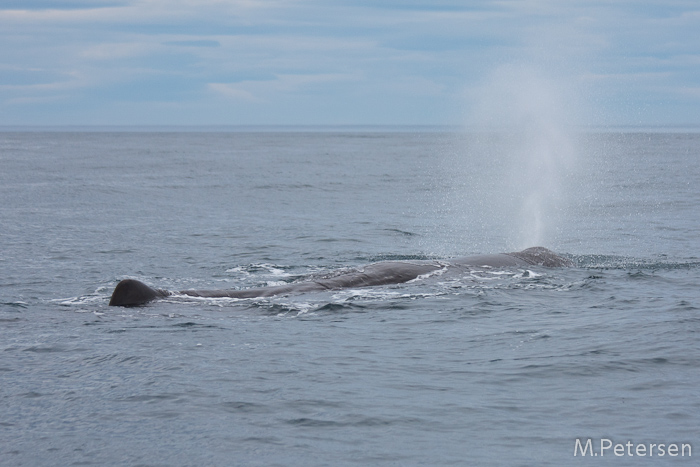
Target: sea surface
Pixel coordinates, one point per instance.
(488, 367)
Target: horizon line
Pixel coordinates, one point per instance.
(258, 128)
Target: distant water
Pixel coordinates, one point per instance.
(489, 368)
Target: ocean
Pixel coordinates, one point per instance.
(506, 367)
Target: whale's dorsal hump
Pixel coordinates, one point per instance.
(541, 256)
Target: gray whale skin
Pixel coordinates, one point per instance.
(131, 292)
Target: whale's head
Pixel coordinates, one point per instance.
(131, 292)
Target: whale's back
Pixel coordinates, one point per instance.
(541, 256)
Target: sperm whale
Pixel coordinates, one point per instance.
(131, 292)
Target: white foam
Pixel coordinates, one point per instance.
(240, 270)
(437, 272)
(275, 283)
(81, 300)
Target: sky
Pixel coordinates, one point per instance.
(348, 62)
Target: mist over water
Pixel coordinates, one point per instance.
(508, 174)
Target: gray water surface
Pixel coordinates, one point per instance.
(486, 367)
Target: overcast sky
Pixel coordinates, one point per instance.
(301, 62)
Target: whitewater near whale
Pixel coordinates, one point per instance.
(131, 292)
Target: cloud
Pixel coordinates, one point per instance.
(194, 43)
(368, 57)
(115, 51)
(234, 91)
(59, 4)
(692, 92)
(267, 90)
(626, 77)
(150, 12)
